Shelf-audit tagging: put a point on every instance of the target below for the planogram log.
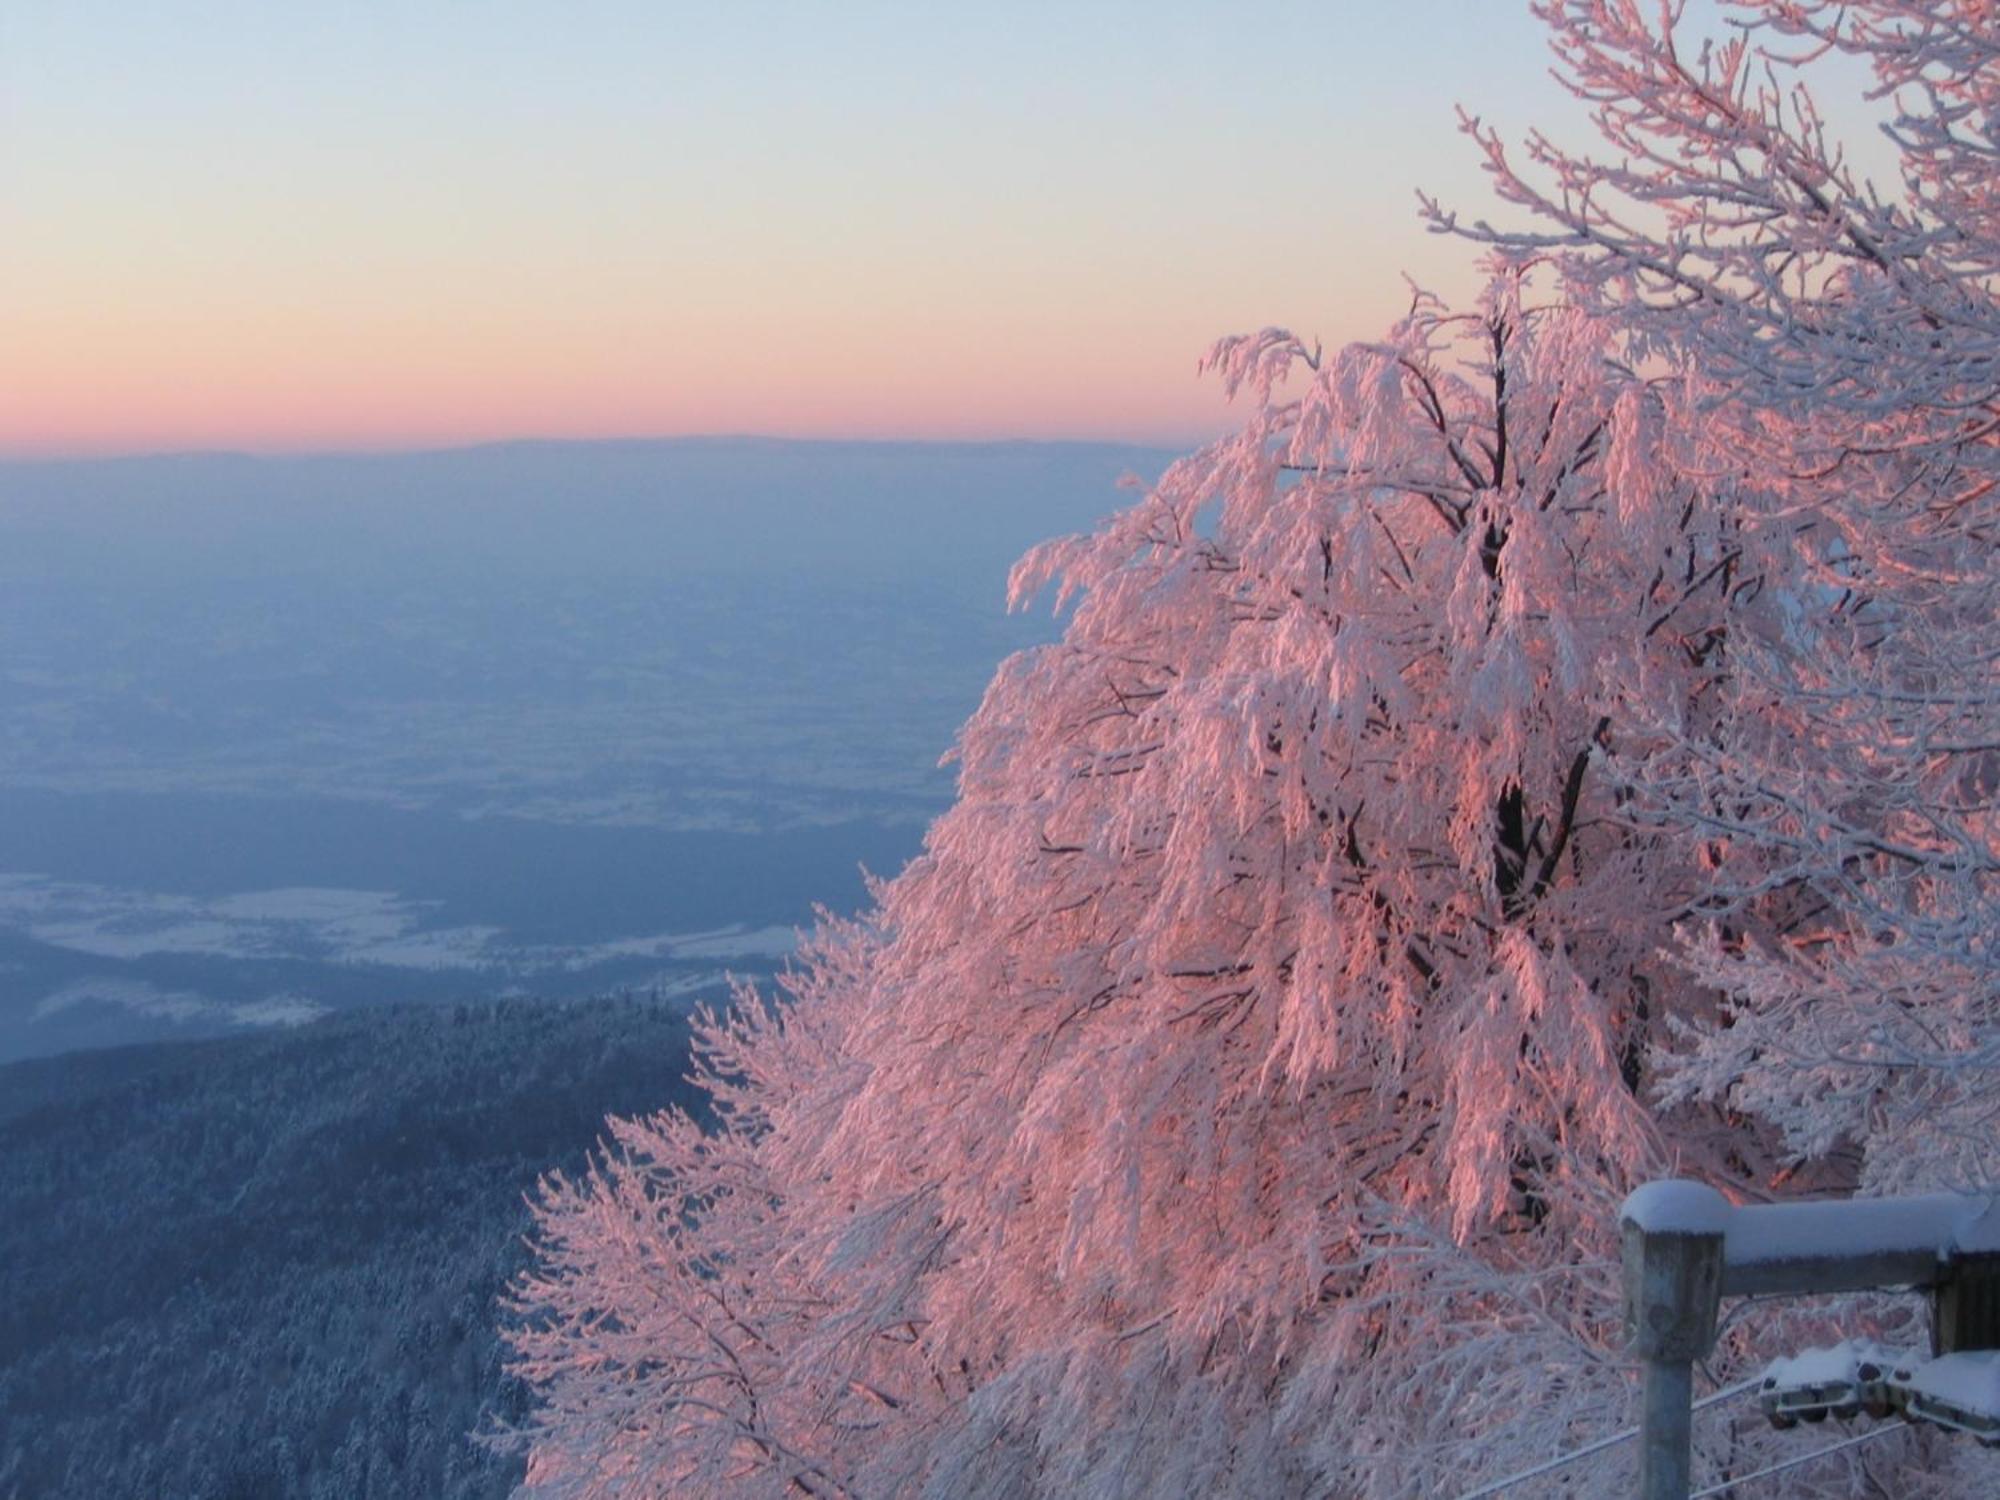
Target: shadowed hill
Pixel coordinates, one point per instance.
(266, 1266)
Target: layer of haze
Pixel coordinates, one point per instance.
(405, 224)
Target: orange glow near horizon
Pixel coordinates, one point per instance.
(289, 234)
(397, 369)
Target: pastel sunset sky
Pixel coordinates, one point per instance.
(403, 223)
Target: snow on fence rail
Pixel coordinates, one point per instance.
(1837, 1245)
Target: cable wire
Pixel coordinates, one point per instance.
(1803, 1458)
(1559, 1461)
(1494, 1487)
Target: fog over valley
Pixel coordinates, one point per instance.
(284, 736)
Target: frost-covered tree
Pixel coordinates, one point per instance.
(1830, 348)
(1583, 694)
(1236, 1095)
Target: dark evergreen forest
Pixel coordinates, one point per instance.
(267, 1266)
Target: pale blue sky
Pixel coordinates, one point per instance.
(289, 225)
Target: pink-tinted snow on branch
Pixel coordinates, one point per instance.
(1551, 745)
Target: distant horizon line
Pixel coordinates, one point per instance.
(32, 459)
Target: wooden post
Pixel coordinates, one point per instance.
(1673, 1288)
(1965, 1305)
(1666, 1430)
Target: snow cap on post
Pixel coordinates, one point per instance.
(1673, 1234)
(1676, 1206)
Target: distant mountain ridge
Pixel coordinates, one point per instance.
(532, 707)
(915, 512)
